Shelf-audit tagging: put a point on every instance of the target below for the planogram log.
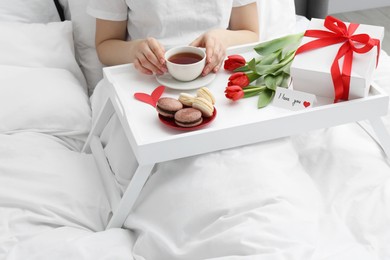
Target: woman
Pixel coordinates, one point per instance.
(139, 32)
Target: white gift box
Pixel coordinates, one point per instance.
(310, 70)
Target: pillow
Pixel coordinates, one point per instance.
(46, 100)
(31, 11)
(47, 187)
(84, 37)
(39, 45)
(276, 18)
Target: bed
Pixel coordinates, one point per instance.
(324, 194)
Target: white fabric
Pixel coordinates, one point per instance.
(274, 21)
(46, 186)
(228, 203)
(114, 149)
(47, 100)
(84, 40)
(329, 184)
(39, 45)
(172, 22)
(318, 195)
(276, 18)
(31, 11)
(74, 243)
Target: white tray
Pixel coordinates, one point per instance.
(237, 123)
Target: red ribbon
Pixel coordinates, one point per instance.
(339, 32)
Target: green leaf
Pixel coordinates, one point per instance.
(251, 91)
(268, 47)
(285, 81)
(265, 97)
(260, 81)
(285, 69)
(273, 68)
(267, 69)
(246, 68)
(252, 64)
(242, 69)
(272, 81)
(271, 58)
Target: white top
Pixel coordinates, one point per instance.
(172, 22)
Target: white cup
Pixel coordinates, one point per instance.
(185, 72)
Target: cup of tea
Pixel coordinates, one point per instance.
(185, 63)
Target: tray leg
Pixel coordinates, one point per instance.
(102, 120)
(130, 196)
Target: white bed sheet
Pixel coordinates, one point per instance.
(52, 204)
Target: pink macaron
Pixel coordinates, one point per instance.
(167, 106)
(188, 117)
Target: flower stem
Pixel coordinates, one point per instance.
(253, 90)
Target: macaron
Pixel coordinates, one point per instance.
(186, 99)
(206, 93)
(188, 117)
(167, 106)
(205, 106)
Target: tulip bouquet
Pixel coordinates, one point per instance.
(261, 75)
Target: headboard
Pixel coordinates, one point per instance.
(312, 8)
(60, 10)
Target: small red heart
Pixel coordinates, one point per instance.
(145, 98)
(150, 99)
(306, 104)
(156, 94)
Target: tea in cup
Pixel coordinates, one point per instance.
(185, 63)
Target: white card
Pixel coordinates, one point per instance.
(293, 99)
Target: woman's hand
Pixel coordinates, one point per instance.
(149, 57)
(243, 28)
(113, 48)
(214, 43)
(148, 54)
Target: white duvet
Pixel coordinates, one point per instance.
(324, 194)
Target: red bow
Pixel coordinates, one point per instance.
(339, 33)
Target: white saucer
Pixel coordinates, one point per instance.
(168, 81)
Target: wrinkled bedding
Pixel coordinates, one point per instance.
(319, 195)
(323, 194)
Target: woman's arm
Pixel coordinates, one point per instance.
(243, 28)
(244, 25)
(113, 49)
(148, 54)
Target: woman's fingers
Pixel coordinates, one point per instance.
(148, 62)
(140, 68)
(150, 57)
(158, 50)
(215, 53)
(215, 50)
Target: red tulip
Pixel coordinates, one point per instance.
(234, 92)
(233, 62)
(239, 79)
